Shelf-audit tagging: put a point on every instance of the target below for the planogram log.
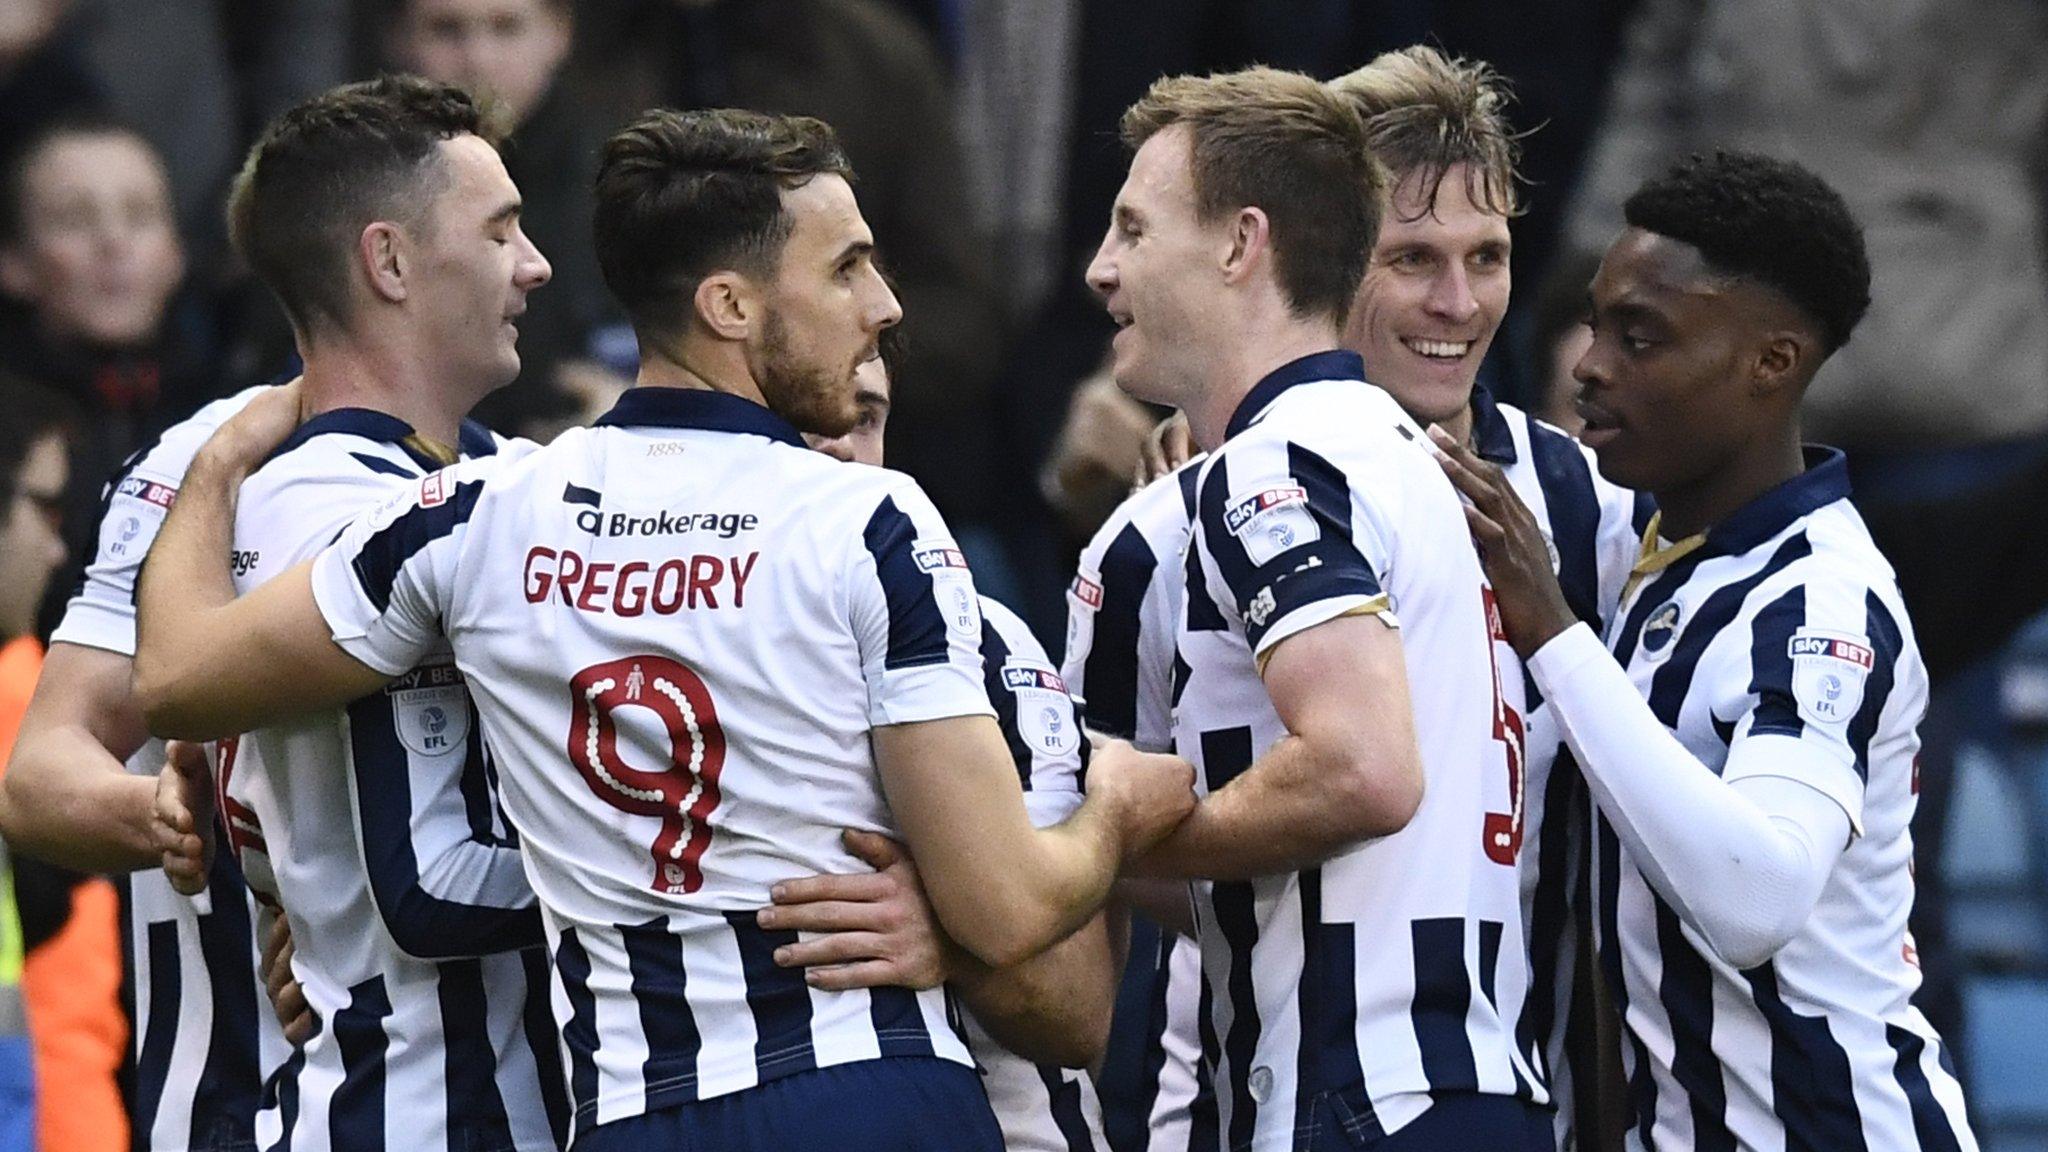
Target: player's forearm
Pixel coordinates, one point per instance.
(69, 802)
(1292, 809)
(1743, 876)
(1054, 1008)
(1070, 872)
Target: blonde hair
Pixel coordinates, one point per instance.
(1290, 146)
(1425, 113)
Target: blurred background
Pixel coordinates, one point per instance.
(983, 133)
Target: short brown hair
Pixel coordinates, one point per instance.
(1284, 143)
(1425, 113)
(328, 168)
(681, 195)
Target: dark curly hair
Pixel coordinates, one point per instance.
(681, 195)
(1767, 220)
(328, 168)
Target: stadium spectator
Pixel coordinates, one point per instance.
(511, 53)
(43, 69)
(70, 956)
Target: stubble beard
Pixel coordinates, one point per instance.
(811, 397)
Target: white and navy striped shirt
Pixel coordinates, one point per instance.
(1784, 622)
(679, 628)
(1040, 1107)
(206, 1040)
(1593, 527)
(1122, 611)
(377, 828)
(1354, 992)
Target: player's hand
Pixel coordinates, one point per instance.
(1151, 793)
(287, 999)
(1169, 446)
(1512, 548)
(183, 820)
(251, 435)
(869, 930)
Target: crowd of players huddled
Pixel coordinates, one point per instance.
(1551, 712)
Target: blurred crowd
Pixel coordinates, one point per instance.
(983, 133)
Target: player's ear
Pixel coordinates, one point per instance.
(1784, 361)
(381, 252)
(727, 304)
(1251, 235)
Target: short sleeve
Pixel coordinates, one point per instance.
(915, 615)
(101, 613)
(1824, 657)
(383, 585)
(1279, 522)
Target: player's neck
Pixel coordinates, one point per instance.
(1240, 364)
(344, 374)
(705, 372)
(1766, 463)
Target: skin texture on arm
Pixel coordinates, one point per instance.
(1348, 770)
(1002, 889)
(68, 798)
(209, 664)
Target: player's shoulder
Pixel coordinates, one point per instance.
(1158, 513)
(1011, 628)
(166, 460)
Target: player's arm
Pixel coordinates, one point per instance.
(68, 799)
(209, 664)
(1003, 890)
(1054, 1008)
(1741, 856)
(1348, 770)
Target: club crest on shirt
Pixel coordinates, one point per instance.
(1272, 521)
(1045, 713)
(1828, 674)
(1660, 631)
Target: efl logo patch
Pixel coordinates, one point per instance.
(149, 491)
(1087, 592)
(432, 491)
(1045, 713)
(1828, 675)
(1271, 522)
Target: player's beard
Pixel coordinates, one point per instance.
(816, 398)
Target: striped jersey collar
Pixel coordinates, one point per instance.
(474, 439)
(1491, 436)
(660, 407)
(1333, 365)
(1825, 481)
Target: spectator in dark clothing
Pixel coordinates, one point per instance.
(511, 53)
(44, 74)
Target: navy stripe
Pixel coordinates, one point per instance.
(579, 1032)
(917, 631)
(778, 998)
(1932, 1131)
(1687, 993)
(654, 954)
(1642, 1085)
(230, 1086)
(1770, 664)
(1202, 612)
(476, 1109)
(1064, 1098)
(994, 651)
(386, 551)
(1489, 961)
(160, 1031)
(1188, 476)
(1813, 1089)
(384, 467)
(355, 1118)
(1205, 1123)
(574, 494)
(421, 924)
(478, 788)
(1110, 674)
(1329, 491)
(1640, 516)
(1887, 646)
(538, 1022)
(1550, 916)
(1443, 996)
(1181, 672)
(900, 1029)
(1152, 1058)
(1226, 753)
(1668, 688)
(1573, 510)
(472, 439)
(285, 1082)
(1327, 1004)
(1237, 920)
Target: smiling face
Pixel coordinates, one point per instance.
(1159, 273)
(826, 307)
(1433, 296)
(474, 267)
(98, 256)
(1666, 387)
